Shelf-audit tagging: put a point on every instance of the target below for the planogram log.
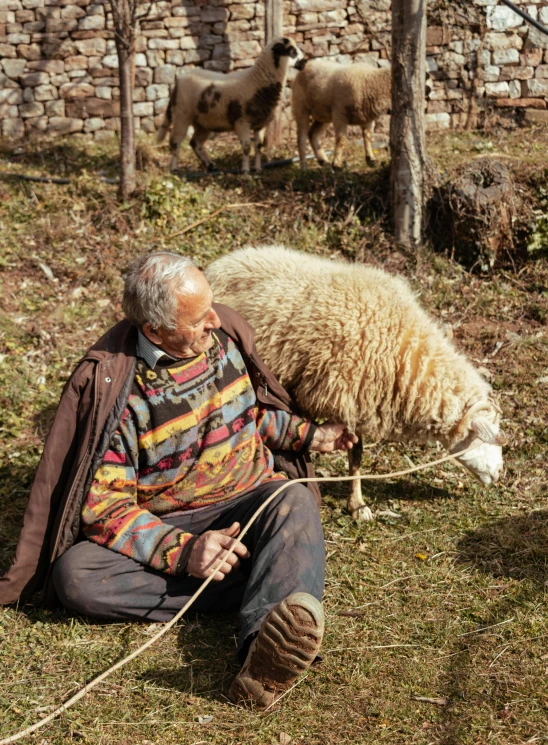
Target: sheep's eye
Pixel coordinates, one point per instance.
(293, 52)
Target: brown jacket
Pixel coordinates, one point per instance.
(89, 411)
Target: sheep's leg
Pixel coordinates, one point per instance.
(303, 123)
(243, 131)
(340, 136)
(356, 506)
(197, 143)
(258, 141)
(178, 134)
(315, 134)
(367, 132)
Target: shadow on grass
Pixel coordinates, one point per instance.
(515, 547)
(61, 157)
(15, 483)
(208, 660)
(381, 491)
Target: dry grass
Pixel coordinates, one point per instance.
(446, 602)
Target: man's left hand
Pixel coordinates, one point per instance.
(329, 437)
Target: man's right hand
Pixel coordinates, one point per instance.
(212, 546)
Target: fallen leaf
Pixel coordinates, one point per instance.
(47, 271)
(205, 720)
(428, 700)
(351, 613)
(422, 557)
(285, 739)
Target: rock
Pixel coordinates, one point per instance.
(535, 87)
(540, 72)
(146, 108)
(76, 90)
(79, 62)
(437, 36)
(104, 92)
(516, 73)
(94, 124)
(72, 11)
(437, 122)
(91, 23)
(111, 61)
(163, 44)
(532, 103)
(536, 39)
(539, 117)
(491, 74)
(60, 125)
(164, 74)
(496, 90)
(8, 111)
(32, 79)
(242, 12)
(45, 92)
(501, 17)
(154, 92)
(14, 67)
(506, 57)
(316, 6)
(13, 128)
(91, 47)
(47, 65)
(11, 96)
(34, 109)
(55, 108)
(213, 15)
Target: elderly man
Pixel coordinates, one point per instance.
(176, 436)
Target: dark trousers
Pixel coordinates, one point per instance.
(287, 555)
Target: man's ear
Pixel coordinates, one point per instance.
(151, 334)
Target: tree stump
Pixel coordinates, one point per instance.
(472, 217)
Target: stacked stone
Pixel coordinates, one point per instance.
(504, 68)
(58, 69)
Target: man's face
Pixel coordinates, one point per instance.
(197, 320)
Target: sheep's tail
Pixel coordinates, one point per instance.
(168, 116)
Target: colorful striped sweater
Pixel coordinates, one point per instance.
(192, 434)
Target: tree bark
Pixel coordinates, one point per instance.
(274, 22)
(127, 123)
(407, 140)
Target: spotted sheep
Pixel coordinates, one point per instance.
(243, 102)
(326, 92)
(353, 345)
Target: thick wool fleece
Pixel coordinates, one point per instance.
(191, 435)
(352, 342)
(328, 91)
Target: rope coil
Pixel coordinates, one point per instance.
(166, 627)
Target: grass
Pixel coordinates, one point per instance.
(446, 602)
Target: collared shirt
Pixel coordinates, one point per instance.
(149, 352)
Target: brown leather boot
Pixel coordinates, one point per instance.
(286, 645)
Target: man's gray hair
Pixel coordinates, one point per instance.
(151, 288)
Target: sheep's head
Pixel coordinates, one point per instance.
(286, 48)
(480, 427)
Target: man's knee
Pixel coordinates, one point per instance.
(297, 505)
(74, 580)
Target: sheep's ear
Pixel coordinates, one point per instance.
(488, 432)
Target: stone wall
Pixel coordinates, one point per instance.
(59, 67)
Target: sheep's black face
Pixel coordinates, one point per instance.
(286, 48)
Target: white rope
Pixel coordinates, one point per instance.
(82, 692)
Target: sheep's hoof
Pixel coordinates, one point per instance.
(371, 161)
(211, 167)
(322, 163)
(362, 515)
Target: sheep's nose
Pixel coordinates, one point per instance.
(497, 474)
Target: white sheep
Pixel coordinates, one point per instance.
(325, 92)
(353, 345)
(243, 101)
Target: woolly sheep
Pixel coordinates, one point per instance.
(242, 101)
(353, 345)
(325, 92)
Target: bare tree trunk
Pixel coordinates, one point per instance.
(407, 141)
(127, 123)
(274, 22)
